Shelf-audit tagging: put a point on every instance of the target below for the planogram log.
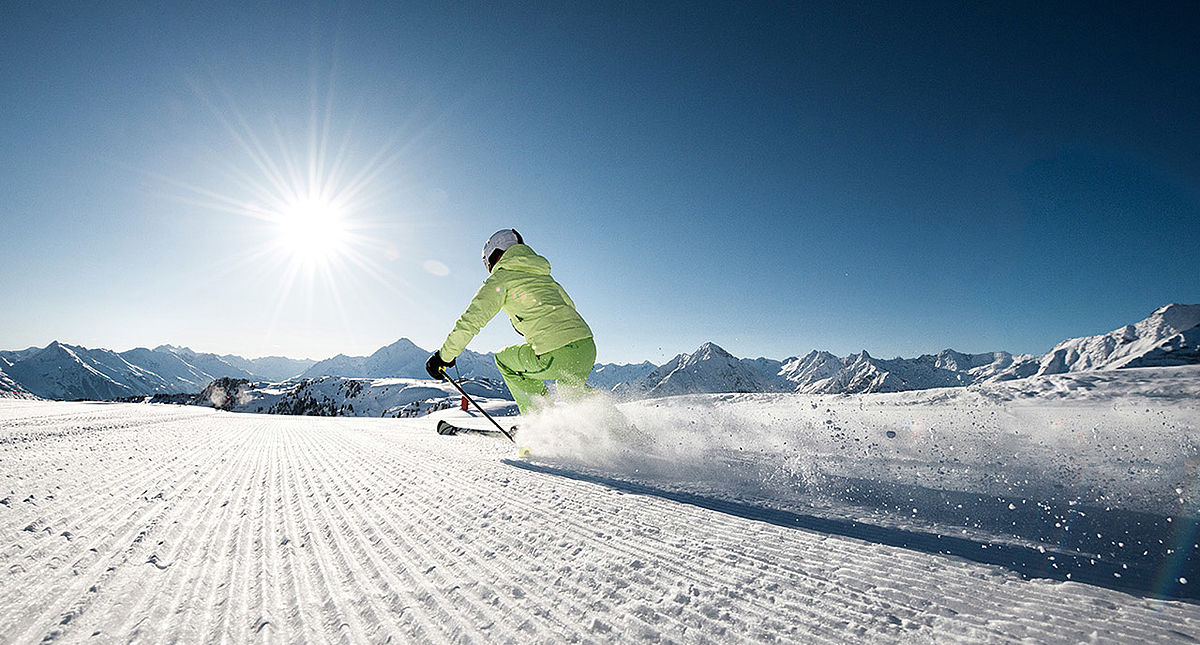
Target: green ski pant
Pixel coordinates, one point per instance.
(525, 373)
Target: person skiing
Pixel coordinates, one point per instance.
(558, 343)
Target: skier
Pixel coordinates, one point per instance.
(558, 343)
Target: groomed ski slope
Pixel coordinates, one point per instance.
(149, 523)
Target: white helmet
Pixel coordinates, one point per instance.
(497, 244)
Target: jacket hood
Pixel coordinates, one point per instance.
(519, 257)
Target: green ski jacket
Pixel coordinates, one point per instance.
(539, 308)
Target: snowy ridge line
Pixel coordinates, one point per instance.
(1027, 561)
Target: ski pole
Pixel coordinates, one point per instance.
(468, 397)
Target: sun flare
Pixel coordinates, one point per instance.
(312, 229)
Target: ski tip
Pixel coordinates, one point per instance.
(444, 427)
(524, 451)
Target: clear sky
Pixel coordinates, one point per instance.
(899, 177)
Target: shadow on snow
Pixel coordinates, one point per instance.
(1136, 567)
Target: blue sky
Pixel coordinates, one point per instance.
(771, 177)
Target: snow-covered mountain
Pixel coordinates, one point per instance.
(179, 369)
(271, 368)
(210, 364)
(823, 373)
(708, 369)
(606, 376)
(10, 357)
(402, 358)
(10, 389)
(1168, 337)
(61, 371)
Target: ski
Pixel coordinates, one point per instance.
(444, 427)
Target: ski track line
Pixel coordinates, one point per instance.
(183, 585)
(361, 491)
(62, 498)
(638, 543)
(481, 618)
(131, 531)
(363, 614)
(464, 558)
(358, 615)
(480, 493)
(648, 553)
(285, 600)
(434, 630)
(773, 567)
(212, 547)
(1017, 596)
(914, 570)
(855, 592)
(65, 509)
(317, 571)
(145, 626)
(576, 536)
(73, 430)
(127, 585)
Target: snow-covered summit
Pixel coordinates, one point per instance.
(709, 369)
(1169, 336)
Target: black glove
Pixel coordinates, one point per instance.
(437, 367)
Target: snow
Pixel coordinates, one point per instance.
(719, 518)
(401, 358)
(607, 376)
(1170, 336)
(1150, 342)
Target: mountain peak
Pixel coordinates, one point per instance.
(710, 348)
(1176, 316)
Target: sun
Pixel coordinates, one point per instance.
(312, 229)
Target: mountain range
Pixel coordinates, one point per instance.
(1169, 336)
(62, 371)
(401, 359)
